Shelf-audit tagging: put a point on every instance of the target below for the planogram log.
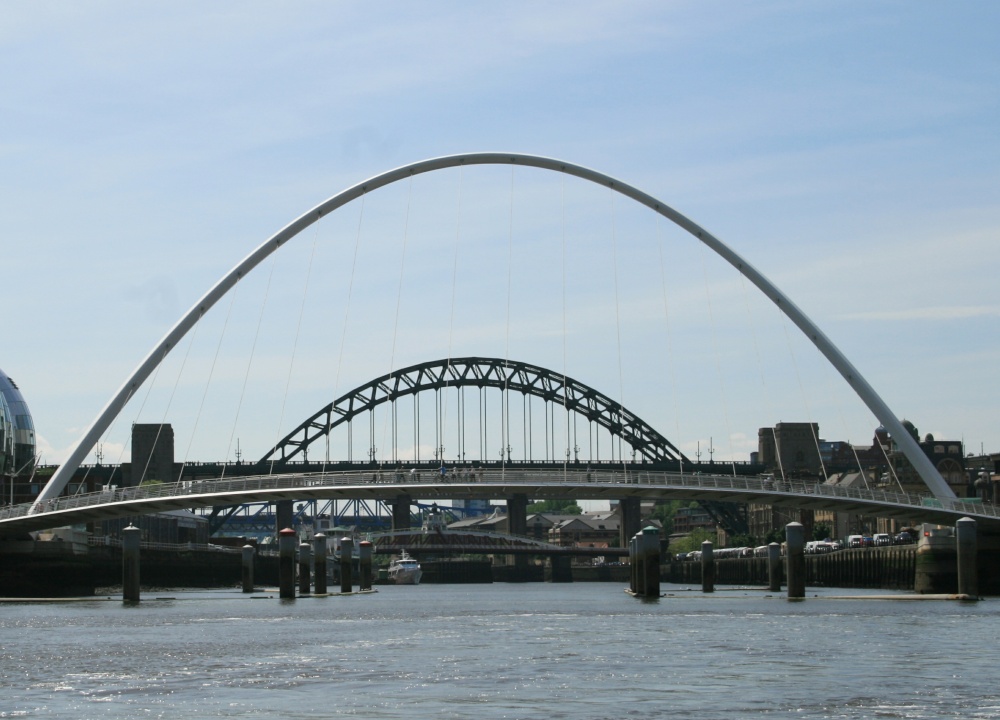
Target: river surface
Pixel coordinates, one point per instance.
(584, 650)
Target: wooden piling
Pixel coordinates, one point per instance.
(319, 563)
(365, 561)
(286, 564)
(707, 567)
(305, 569)
(130, 564)
(248, 553)
(774, 567)
(795, 560)
(346, 556)
(965, 549)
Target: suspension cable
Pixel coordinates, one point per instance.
(211, 374)
(399, 302)
(670, 336)
(246, 376)
(343, 335)
(718, 367)
(295, 344)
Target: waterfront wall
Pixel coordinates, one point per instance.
(890, 568)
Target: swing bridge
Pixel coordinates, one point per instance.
(638, 464)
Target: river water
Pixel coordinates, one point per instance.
(584, 650)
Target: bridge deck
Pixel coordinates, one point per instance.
(491, 484)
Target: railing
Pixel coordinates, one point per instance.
(105, 541)
(762, 486)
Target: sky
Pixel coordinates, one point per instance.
(848, 150)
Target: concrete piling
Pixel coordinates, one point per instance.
(365, 557)
(966, 551)
(130, 564)
(248, 553)
(707, 567)
(319, 563)
(774, 567)
(795, 560)
(286, 564)
(305, 569)
(346, 556)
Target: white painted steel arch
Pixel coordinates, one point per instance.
(905, 441)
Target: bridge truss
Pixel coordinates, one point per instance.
(481, 372)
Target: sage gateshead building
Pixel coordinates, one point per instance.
(17, 431)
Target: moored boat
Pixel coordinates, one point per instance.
(404, 570)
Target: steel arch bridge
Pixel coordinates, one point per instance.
(479, 372)
(907, 444)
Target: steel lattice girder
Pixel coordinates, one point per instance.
(480, 372)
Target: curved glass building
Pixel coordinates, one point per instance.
(17, 431)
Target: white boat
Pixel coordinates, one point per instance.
(404, 570)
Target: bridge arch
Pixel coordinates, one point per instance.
(481, 372)
(834, 356)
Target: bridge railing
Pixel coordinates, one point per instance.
(293, 481)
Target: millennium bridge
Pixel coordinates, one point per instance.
(390, 487)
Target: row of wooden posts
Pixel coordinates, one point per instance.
(311, 565)
(644, 561)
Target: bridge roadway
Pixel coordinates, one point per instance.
(390, 485)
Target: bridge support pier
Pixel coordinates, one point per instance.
(631, 520)
(559, 569)
(401, 512)
(284, 516)
(517, 524)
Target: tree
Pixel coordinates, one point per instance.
(559, 507)
(692, 541)
(821, 531)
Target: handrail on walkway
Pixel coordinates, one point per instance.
(763, 485)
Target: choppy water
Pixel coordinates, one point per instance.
(499, 651)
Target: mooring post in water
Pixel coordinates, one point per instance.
(365, 556)
(286, 564)
(248, 553)
(707, 567)
(633, 564)
(305, 571)
(319, 563)
(130, 564)
(795, 560)
(966, 548)
(346, 556)
(774, 567)
(650, 561)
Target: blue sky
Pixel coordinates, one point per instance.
(849, 150)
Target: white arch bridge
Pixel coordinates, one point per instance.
(487, 484)
(907, 444)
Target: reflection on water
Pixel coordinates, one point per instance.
(499, 651)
